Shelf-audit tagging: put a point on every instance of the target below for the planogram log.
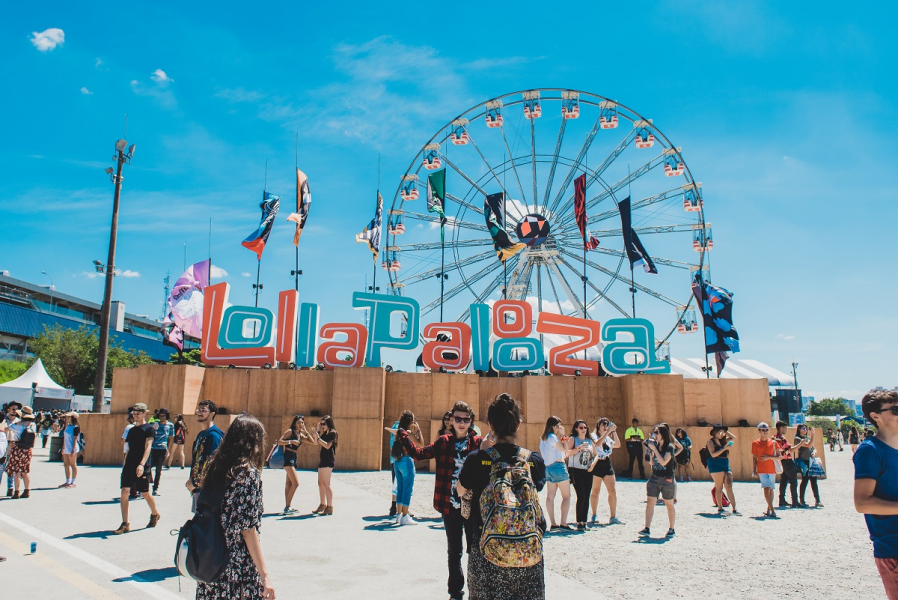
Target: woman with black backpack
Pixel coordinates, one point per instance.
(236, 468)
(512, 568)
(22, 434)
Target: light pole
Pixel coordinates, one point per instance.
(52, 287)
(795, 382)
(121, 157)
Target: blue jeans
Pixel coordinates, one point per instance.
(405, 480)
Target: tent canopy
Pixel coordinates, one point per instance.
(19, 389)
(736, 368)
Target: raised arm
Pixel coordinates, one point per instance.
(415, 451)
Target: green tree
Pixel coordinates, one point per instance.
(191, 357)
(70, 357)
(11, 369)
(830, 407)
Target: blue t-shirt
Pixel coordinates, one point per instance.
(163, 432)
(877, 460)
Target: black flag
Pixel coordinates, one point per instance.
(495, 201)
(635, 250)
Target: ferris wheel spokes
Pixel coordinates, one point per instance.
(514, 167)
(425, 275)
(575, 166)
(551, 178)
(600, 295)
(450, 221)
(437, 245)
(612, 212)
(462, 285)
(623, 279)
(656, 259)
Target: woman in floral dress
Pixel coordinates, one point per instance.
(237, 467)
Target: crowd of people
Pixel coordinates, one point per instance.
(485, 486)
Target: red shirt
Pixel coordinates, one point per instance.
(765, 448)
(784, 446)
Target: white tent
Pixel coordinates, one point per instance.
(20, 389)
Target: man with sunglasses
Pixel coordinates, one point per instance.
(764, 454)
(876, 484)
(204, 446)
(450, 451)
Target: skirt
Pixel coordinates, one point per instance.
(486, 581)
(19, 460)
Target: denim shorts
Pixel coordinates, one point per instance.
(557, 472)
(768, 480)
(718, 465)
(666, 488)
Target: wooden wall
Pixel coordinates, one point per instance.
(363, 401)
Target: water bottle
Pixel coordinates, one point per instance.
(33, 547)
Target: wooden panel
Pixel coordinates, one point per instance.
(450, 388)
(702, 401)
(747, 399)
(359, 393)
(360, 444)
(490, 387)
(124, 389)
(193, 387)
(654, 398)
(228, 388)
(408, 391)
(312, 390)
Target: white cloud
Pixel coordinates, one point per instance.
(86, 91)
(160, 92)
(160, 77)
(217, 272)
(48, 39)
(127, 273)
(98, 63)
(782, 336)
(245, 274)
(90, 274)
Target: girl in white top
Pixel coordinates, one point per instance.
(70, 449)
(554, 453)
(606, 440)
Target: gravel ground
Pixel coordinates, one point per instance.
(805, 553)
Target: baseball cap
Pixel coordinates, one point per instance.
(140, 406)
(763, 425)
(163, 411)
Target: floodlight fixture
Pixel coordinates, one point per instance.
(109, 170)
(131, 150)
(120, 145)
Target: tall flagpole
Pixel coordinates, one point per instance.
(504, 224)
(632, 277)
(298, 207)
(210, 250)
(585, 279)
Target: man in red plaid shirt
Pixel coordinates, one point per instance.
(450, 451)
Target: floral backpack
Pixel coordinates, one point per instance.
(513, 522)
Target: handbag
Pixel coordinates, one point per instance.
(276, 457)
(815, 468)
(201, 551)
(466, 504)
(778, 467)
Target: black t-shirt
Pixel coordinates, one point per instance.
(137, 440)
(475, 475)
(667, 470)
(328, 453)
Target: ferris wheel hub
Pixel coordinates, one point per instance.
(533, 229)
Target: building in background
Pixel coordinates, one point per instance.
(26, 309)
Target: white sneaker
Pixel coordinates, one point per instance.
(408, 520)
(614, 521)
(399, 519)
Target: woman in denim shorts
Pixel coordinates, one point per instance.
(554, 454)
(662, 482)
(719, 465)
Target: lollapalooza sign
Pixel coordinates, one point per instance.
(293, 336)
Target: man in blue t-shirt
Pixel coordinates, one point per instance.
(876, 484)
(164, 433)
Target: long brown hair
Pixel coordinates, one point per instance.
(329, 421)
(243, 446)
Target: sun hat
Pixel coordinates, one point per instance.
(26, 414)
(13, 403)
(718, 427)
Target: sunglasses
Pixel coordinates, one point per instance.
(892, 409)
(583, 427)
(763, 429)
(461, 419)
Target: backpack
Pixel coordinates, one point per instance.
(202, 551)
(26, 439)
(513, 522)
(80, 442)
(704, 455)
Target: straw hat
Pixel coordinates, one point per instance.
(26, 414)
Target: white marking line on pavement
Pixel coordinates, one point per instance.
(150, 589)
(65, 575)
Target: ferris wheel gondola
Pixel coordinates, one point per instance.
(450, 264)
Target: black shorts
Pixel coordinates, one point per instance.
(290, 459)
(133, 482)
(326, 462)
(603, 468)
(684, 457)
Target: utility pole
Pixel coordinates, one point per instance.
(121, 157)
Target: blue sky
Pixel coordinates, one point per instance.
(786, 115)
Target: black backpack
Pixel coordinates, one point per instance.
(704, 455)
(26, 440)
(202, 551)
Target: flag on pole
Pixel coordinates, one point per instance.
(505, 248)
(436, 194)
(495, 203)
(589, 242)
(257, 239)
(172, 334)
(716, 305)
(185, 303)
(371, 233)
(303, 204)
(635, 251)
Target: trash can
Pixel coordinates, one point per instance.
(55, 448)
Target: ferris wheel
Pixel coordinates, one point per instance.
(531, 146)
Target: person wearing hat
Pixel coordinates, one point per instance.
(135, 473)
(719, 465)
(163, 436)
(9, 417)
(764, 457)
(634, 438)
(18, 465)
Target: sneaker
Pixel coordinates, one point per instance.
(64, 485)
(688, 479)
(670, 533)
(818, 504)
(736, 513)
(153, 520)
(407, 520)
(645, 532)
(155, 492)
(581, 526)
(594, 521)
(123, 528)
(680, 479)
(614, 521)
(659, 502)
